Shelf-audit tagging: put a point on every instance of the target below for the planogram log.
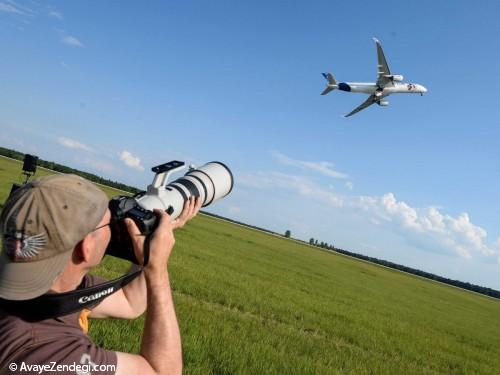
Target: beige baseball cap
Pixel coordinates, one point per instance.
(40, 224)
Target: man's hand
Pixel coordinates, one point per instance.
(161, 241)
(191, 208)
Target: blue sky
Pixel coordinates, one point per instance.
(117, 87)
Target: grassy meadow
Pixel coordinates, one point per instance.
(252, 303)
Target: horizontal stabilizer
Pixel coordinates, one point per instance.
(327, 90)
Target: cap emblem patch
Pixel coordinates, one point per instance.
(21, 248)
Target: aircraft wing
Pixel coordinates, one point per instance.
(382, 68)
(368, 102)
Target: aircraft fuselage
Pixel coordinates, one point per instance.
(372, 88)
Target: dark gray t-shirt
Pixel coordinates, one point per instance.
(63, 342)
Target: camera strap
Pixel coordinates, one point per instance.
(59, 304)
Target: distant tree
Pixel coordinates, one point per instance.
(288, 234)
(311, 241)
(315, 242)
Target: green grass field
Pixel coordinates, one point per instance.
(252, 303)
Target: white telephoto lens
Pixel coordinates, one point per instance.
(211, 182)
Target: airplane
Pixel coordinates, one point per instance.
(386, 84)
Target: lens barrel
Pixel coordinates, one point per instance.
(211, 182)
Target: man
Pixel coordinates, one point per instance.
(54, 231)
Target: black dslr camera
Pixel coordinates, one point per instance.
(211, 182)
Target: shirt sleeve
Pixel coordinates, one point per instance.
(69, 355)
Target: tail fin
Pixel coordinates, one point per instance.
(332, 83)
(330, 78)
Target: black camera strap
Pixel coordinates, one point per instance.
(59, 304)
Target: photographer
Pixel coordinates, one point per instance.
(54, 231)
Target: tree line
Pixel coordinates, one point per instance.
(63, 169)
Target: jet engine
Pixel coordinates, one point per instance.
(383, 103)
(394, 77)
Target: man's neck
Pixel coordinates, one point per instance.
(69, 279)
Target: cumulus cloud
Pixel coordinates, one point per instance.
(71, 41)
(323, 167)
(131, 160)
(71, 143)
(440, 231)
(427, 228)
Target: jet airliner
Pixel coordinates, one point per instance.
(386, 84)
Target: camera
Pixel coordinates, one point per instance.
(210, 182)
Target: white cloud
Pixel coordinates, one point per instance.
(99, 165)
(429, 227)
(56, 14)
(323, 167)
(71, 143)
(10, 7)
(71, 41)
(349, 185)
(496, 245)
(131, 160)
(426, 228)
(298, 184)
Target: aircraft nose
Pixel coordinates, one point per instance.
(424, 90)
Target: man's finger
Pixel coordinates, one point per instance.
(191, 207)
(185, 210)
(132, 227)
(165, 219)
(196, 207)
(199, 203)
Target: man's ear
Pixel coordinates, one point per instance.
(82, 250)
